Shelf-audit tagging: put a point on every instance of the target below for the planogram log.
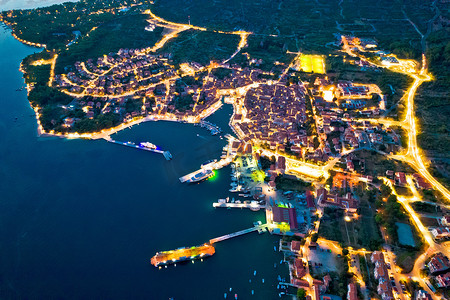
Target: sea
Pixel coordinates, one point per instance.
(80, 219)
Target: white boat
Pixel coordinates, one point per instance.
(263, 280)
(254, 273)
(224, 295)
(148, 145)
(253, 292)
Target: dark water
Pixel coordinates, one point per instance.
(80, 219)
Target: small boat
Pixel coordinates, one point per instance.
(274, 248)
(235, 296)
(253, 292)
(224, 295)
(254, 273)
(263, 280)
(278, 286)
(281, 261)
(231, 289)
(275, 265)
(250, 280)
(148, 145)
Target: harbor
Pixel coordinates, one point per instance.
(207, 169)
(123, 210)
(212, 128)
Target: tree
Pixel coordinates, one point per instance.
(301, 294)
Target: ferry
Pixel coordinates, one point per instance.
(148, 145)
(182, 254)
(208, 163)
(199, 176)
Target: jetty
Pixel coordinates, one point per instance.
(260, 228)
(253, 205)
(213, 128)
(166, 154)
(206, 169)
(165, 258)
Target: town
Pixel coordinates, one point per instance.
(332, 161)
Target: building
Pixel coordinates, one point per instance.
(352, 293)
(445, 220)
(381, 274)
(316, 292)
(310, 201)
(300, 283)
(422, 295)
(347, 202)
(443, 281)
(440, 233)
(400, 179)
(299, 268)
(439, 264)
(295, 246)
(286, 216)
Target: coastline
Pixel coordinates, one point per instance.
(135, 121)
(25, 42)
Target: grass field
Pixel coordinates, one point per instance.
(312, 63)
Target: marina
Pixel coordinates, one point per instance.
(207, 168)
(213, 128)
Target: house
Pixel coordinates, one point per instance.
(299, 268)
(347, 203)
(299, 283)
(352, 293)
(316, 292)
(400, 179)
(310, 201)
(283, 215)
(440, 233)
(420, 182)
(443, 281)
(439, 264)
(445, 220)
(381, 274)
(295, 246)
(422, 295)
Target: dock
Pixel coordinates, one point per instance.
(238, 233)
(225, 161)
(166, 154)
(213, 128)
(255, 206)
